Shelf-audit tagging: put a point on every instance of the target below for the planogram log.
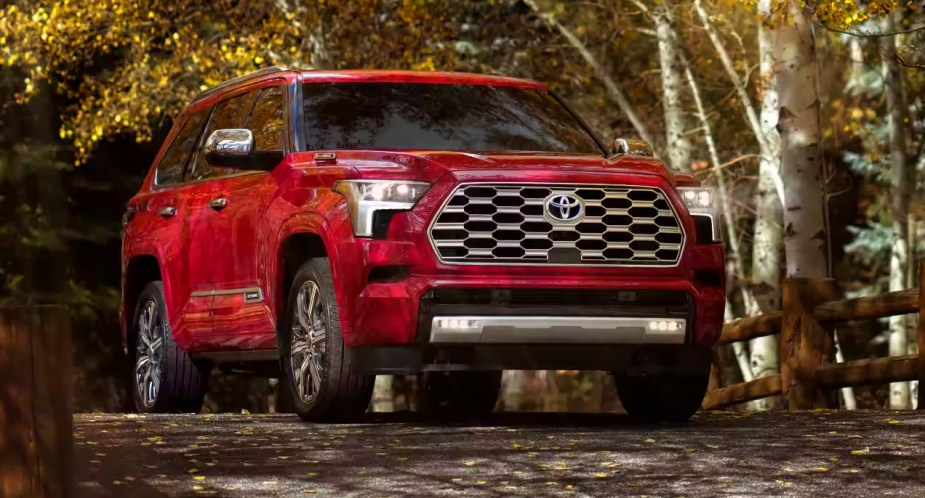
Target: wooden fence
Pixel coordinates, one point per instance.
(806, 324)
(35, 403)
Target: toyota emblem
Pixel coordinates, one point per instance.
(564, 208)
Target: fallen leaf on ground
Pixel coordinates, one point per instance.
(860, 452)
(470, 463)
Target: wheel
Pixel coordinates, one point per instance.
(166, 379)
(460, 394)
(317, 367)
(669, 397)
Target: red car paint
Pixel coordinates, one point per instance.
(202, 252)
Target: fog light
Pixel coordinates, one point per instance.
(666, 325)
(457, 323)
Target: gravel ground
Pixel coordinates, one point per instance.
(818, 453)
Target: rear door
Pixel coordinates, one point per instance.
(160, 214)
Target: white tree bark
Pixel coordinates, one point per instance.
(742, 91)
(613, 90)
(676, 141)
(899, 188)
(766, 262)
(513, 389)
(383, 394)
(801, 161)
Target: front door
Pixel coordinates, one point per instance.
(241, 313)
(223, 223)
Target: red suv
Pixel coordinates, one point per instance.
(328, 226)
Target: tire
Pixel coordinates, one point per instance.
(164, 377)
(459, 394)
(340, 393)
(663, 397)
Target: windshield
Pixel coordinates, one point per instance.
(426, 116)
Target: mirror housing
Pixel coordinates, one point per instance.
(234, 148)
(632, 147)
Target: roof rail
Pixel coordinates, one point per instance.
(240, 79)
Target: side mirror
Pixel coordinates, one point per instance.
(234, 148)
(632, 147)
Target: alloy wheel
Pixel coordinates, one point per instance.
(309, 329)
(149, 353)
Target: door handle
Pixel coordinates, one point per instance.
(167, 212)
(218, 204)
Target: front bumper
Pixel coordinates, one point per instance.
(404, 311)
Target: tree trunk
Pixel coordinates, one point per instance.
(676, 141)
(801, 162)
(513, 389)
(383, 394)
(900, 182)
(766, 265)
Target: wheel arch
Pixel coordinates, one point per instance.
(294, 250)
(140, 270)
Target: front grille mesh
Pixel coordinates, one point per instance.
(508, 223)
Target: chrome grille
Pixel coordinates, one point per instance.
(509, 223)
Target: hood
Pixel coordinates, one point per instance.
(431, 165)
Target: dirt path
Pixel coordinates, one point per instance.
(821, 453)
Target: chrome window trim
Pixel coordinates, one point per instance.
(446, 201)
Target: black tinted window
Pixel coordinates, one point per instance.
(439, 117)
(230, 113)
(267, 121)
(171, 166)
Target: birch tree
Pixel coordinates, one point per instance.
(764, 291)
(766, 264)
(801, 162)
(677, 144)
(900, 184)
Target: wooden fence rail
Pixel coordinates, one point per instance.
(806, 326)
(35, 403)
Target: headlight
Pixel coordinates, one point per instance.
(703, 205)
(367, 197)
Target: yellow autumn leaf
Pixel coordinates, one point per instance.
(600, 475)
(470, 463)
(860, 452)
(199, 478)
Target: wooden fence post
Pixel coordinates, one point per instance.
(804, 344)
(35, 403)
(921, 336)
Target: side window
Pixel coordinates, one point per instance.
(268, 121)
(173, 162)
(231, 113)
